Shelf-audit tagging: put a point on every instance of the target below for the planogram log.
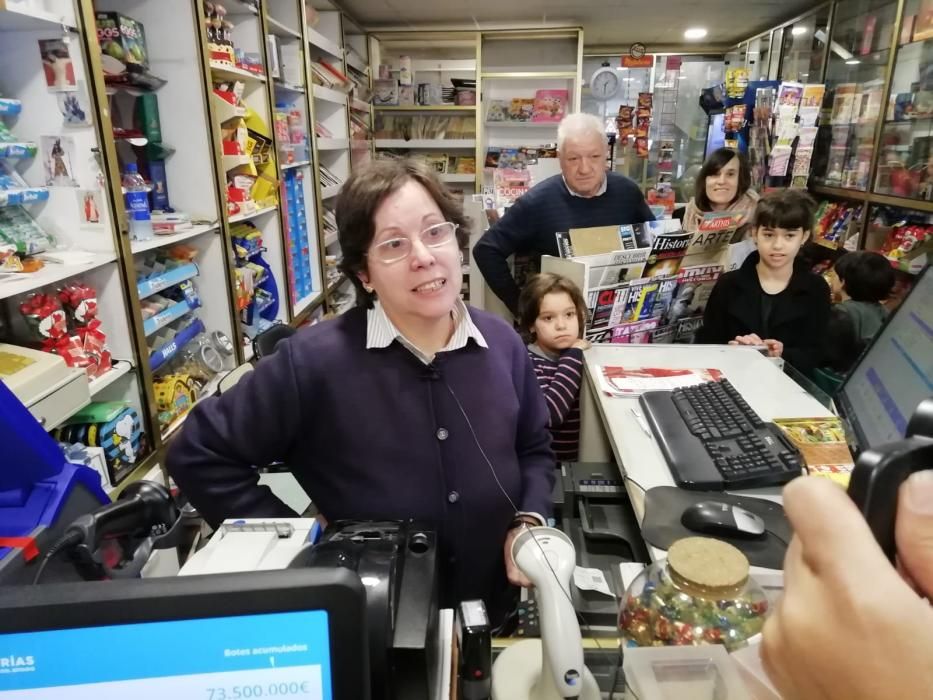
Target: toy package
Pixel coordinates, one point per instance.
(113, 426)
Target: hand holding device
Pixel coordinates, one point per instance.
(512, 572)
(849, 627)
(547, 558)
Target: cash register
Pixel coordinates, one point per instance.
(40, 492)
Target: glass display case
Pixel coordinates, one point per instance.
(804, 47)
(905, 165)
(862, 39)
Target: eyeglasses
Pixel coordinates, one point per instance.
(396, 249)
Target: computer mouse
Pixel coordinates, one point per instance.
(717, 518)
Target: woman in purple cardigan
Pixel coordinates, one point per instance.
(409, 406)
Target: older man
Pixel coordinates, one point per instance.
(583, 195)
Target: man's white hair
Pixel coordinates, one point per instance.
(579, 125)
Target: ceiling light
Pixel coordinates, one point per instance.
(695, 33)
(797, 31)
(681, 77)
(853, 62)
(622, 68)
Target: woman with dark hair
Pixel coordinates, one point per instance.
(409, 406)
(723, 184)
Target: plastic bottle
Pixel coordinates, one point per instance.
(137, 204)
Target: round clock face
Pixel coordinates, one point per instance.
(637, 51)
(604, 83)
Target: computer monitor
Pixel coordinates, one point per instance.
(894, 374)
(296, 633)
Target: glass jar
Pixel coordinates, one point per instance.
(701, 594)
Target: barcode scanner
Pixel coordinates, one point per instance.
(879, 473)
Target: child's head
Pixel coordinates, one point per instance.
(865, 276)
(551, 312)
(783, 222)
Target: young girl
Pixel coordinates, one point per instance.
(552, 314)
(773, 300)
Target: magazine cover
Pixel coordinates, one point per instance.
(663, 334)
(600, 304)
(843, 102)
(564, 246)
(686, 329)
(609, 270)
(550, 105)
(596, 240)
(634, 301)
(667, 252)
(510, 185)
(663, 303)
(715, 233)
(694, 286)
(635, 332)
(640, 302)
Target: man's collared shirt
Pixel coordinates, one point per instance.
(380, 332)
(600, 191)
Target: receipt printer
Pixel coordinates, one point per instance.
(396, 561)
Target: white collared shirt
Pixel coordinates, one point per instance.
(600, 191)
(380, 332)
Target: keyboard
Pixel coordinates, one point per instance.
(713, 440)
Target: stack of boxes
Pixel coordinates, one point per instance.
(296, 232)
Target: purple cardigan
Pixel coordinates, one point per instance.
(375, 434)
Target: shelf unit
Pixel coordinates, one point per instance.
(875, 55)
(437, 59)
(193, 122)
(95, 250)
(517, 65)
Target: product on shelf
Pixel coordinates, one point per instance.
(834, 221)
(19, 229)
(409, 127)
(113, 426)
(221, 49)
(298, 252)
(908, 245)
(124, 56)
(66, 324)
(248, 155)
(257, 293)
(13, 189)
(137, 204)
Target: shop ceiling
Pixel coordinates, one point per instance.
(613, 24)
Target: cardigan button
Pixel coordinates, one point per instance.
(453, 497)
(442, 434)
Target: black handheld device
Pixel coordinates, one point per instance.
(879, 473)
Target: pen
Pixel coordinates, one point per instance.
(641, 422)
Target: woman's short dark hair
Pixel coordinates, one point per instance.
(363, 193)
(865, 275)
(534, 291)
(787, 209)
(716, 161)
